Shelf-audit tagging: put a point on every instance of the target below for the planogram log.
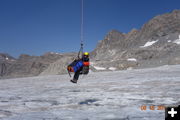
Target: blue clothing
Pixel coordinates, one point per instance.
(78, 65)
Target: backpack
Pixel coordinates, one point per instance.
(75, 65)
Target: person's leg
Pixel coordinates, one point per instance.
(76, 76)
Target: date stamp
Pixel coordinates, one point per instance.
(152, 107)
(171, 112)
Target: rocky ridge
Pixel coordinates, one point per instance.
(27, 65)
(156, 43)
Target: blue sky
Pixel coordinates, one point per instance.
(38, 26)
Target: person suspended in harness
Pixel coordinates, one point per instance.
(79, 66)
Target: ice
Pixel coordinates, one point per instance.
(97, 96)
(149, 43)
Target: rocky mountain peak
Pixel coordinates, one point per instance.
(6, 57)
(132, 33)
(156, 43)
(114, 31)
(176, 13)
(113, 36)
(134, 30)
(24, 56)
(161, 25)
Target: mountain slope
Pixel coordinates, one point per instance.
(27, 65)
(5, 61)
(156, 43)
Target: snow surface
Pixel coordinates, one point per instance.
(116, 95)
(149, 43)
(131, 59)
(177, 41)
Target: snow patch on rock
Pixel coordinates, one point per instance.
(149, 43)
(112, 52)
(54, 53)
(169, 41)
(132, 59)
(129, 68)
(112, 68)
(177, 41)
(99, 68)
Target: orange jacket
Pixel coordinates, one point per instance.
(86, 63)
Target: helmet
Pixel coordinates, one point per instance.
(86, 53)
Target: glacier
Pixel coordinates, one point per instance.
(108, 95)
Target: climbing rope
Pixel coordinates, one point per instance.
(82, 30)
(82, 20)
(81, 38)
